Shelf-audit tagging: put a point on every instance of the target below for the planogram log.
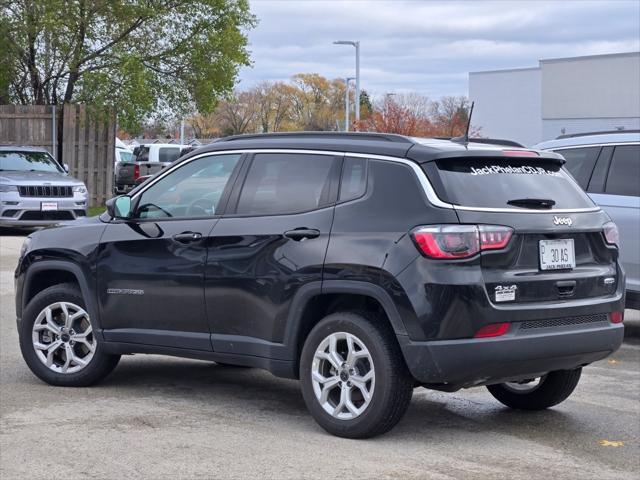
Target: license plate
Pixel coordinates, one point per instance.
(557, 254)
(48, 206)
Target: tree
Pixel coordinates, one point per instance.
(317, 103)
(366, 107)
(137, 56)
(238, 114)
(401, 114)
(275, 101)
(451, 115)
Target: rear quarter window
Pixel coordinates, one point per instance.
(580, 162)
(493, 182)
(624, 172)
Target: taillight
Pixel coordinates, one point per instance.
(460, 241)
(611, 234)
(136, 172)
(519, 153)
(493, 330)
(616, 317)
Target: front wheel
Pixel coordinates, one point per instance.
(57, 339)
(538, 393)
(353, 376)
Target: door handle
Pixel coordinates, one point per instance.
(300, 234)
(187, 237)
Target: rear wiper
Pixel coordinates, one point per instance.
(532, 202)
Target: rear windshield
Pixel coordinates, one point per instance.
(505, 183)
(141, 154)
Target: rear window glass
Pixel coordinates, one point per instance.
(141, 154)
(494, 182)
(168, 154)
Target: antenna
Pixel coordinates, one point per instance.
(465, 138)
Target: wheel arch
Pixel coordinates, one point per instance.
(63, 270)
(316, 300)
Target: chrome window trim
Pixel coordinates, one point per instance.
(421, 176)
(585, 145)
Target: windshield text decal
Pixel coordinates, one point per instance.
(526, 170)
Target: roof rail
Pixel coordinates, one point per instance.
(490, 141)
(385, 137)
(603, 132)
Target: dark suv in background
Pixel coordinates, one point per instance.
(362, 264)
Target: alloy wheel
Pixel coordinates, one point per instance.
(525, 386)
(63, 338)
(343, 375)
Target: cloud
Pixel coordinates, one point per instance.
(430, 47)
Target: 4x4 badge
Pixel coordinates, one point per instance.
(562, 221)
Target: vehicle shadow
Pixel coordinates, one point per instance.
(16, 232)
(431, 415)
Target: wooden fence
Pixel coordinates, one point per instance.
(74, 137)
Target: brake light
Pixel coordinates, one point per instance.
(616, 317)
(493, 330)
(136, 172)
(494, 237)
(460, 241)
(519, 153)
(611, 234)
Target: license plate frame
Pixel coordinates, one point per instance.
(551, 260)
(48, 206)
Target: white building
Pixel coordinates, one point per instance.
(565, 95)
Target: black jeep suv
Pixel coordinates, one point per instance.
(362, 264)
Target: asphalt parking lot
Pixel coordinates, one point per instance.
(158, 417)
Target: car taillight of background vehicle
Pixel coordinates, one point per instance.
(136, 172)
(460, 241)
(611, 234)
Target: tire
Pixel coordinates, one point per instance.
(554, 388)
(377, 357)
(97, 364)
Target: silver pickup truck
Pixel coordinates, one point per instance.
(147, 160)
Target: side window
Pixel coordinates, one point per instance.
(168, 154)
(580, 163)
(279, 184)
(354, 179)
(624, 173)
(193, 190)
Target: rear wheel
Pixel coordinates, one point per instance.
(538, 393)
(57, 339)
(354, 380)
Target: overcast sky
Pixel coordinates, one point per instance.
(427, 46)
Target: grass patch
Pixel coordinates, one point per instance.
(93, 211)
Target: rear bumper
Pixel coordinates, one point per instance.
(517, 355)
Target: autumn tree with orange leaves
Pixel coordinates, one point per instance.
(312, 102)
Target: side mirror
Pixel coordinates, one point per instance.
(119, 207)
(66, 167)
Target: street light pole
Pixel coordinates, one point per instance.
(346, 103)
(355, 44)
